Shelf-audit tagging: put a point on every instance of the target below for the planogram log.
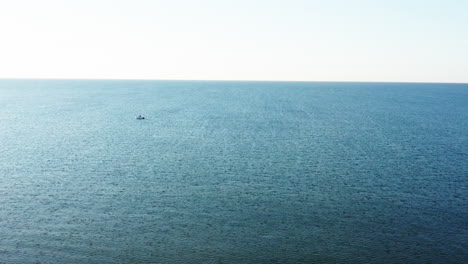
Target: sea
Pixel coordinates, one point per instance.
(233, 172)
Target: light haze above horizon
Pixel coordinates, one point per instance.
(288, 40)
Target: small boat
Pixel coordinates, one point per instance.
(139, 117)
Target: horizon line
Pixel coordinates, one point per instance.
(216, 80)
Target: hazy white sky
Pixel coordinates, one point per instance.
(322, 40)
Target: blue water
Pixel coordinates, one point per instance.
(233, 172)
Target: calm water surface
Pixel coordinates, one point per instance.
(233, 172)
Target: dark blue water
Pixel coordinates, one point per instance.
(233, 172)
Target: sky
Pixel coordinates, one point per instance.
(283, 40)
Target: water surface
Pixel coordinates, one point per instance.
(232, 172)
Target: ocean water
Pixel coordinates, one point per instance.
(233, 172)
